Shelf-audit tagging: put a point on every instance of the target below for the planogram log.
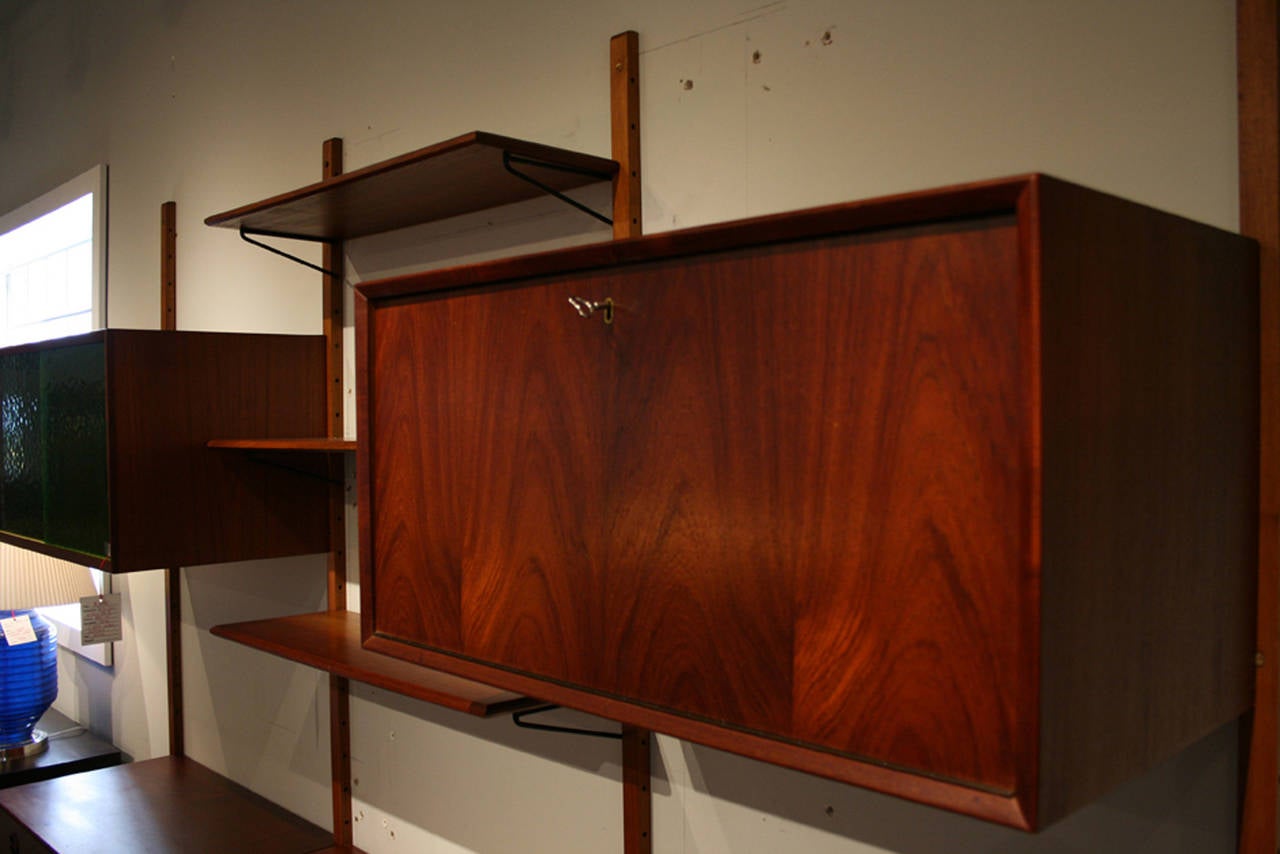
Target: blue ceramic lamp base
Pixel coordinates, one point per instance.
(28, 686)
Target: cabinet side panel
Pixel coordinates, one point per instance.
(176, 502)
(1150, 414)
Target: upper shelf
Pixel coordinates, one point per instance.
(457, 176)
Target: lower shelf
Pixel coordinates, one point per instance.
(330, 641)
(166, 804)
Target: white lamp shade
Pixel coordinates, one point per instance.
(32, 580)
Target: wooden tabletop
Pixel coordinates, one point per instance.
(160, 805)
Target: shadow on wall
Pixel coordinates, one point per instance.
(251, 715)
(1182, 807)
(600, 756)
(516, 229)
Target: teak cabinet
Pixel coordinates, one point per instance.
(104, 451)
(950, 494)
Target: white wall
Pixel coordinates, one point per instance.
(214, 104)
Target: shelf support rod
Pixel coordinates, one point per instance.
(510, 161)
(624, 134)
(245, 235)
(1258, 82)
(173, 574)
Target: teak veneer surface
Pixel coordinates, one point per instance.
(950, 494)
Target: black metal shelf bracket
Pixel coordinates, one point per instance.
(265, 459)
(510, 161)
(245, 235)
(519, 719)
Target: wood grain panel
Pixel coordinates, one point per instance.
(689, 533)
(483, 530)
(908, 424)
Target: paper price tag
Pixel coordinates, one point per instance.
(17, 630)
(100, 619)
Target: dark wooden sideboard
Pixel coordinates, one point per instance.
(951, 494)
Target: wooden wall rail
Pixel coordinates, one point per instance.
(1258, 57)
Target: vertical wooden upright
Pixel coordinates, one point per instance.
(173, 575)
(624, 113)
(624, 109)
(1258, 58)
(339, 698)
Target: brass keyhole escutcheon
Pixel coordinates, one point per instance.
(586, 308)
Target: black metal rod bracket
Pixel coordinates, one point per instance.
(519, 719)
(510, 161)
(245, 235)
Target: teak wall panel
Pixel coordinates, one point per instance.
(948, 494)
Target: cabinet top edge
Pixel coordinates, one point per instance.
(1024, 196)
(961, 201)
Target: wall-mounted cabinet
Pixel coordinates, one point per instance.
(952, 495)
(103, 447)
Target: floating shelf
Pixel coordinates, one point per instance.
(320, 445)
(330, 641)
(457, 176)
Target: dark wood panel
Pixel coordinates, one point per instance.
(1150, 419)
(330, 641)
(449, 178)
(167, 804)
(173, 500)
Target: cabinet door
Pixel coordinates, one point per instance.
(486, 477)
(787, 489)
(817, 501)
(54, 440)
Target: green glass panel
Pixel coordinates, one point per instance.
(74, 406)
(21, 445)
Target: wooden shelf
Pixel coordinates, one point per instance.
(457, 176)
(165, 804)
(330, 641)
(320, 445)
